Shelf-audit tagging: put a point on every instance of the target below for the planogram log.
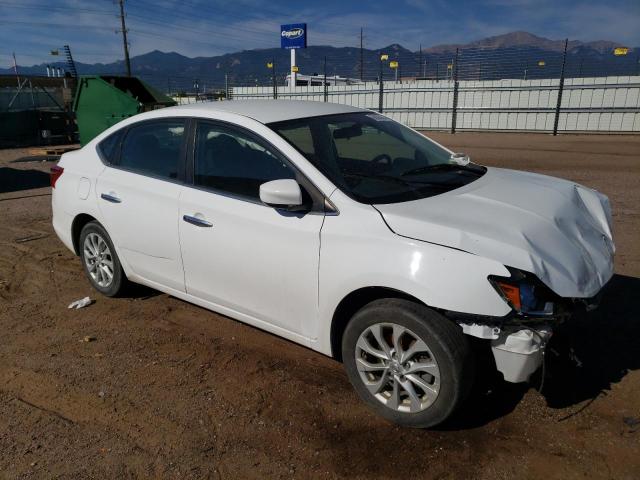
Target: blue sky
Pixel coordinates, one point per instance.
(31, 28)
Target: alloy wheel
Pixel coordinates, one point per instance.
(397, 367)
(98, 259)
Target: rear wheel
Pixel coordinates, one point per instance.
(100, 261)
(410, 364)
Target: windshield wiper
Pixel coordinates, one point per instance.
(386, 178)
(391, 179)
(441, 167)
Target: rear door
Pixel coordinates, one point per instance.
(239, 253)
(139, 199)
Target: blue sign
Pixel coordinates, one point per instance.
(293, 35)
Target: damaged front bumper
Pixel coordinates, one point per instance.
(518, 340)
(518, 351)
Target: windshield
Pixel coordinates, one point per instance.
(374, 159)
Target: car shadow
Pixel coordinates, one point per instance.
(15, 180)
(591, 353)
(136, 291)
(490, 397)
(585, 356)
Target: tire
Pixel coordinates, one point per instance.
(440, 371)
(94, 237)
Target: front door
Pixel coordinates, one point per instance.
(237, 252)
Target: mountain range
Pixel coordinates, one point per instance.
(512, 55)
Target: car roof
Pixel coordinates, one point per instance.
(268, 111)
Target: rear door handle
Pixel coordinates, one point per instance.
(110, 198)
(198, 222)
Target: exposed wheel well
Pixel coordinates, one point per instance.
(76, 227)
(354, 302)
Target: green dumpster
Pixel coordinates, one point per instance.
(102, 101)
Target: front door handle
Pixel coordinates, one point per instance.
(110, 198)
(198, 222)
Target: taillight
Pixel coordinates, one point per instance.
(55, 174)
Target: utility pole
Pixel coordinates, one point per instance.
(420, 59)
(361, 57)
(124, 38)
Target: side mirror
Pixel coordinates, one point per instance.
(460, 158)
(285, 193)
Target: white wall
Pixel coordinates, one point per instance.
(600, 104)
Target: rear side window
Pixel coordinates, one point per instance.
(153, 148)
(109, 147)
(228, 161)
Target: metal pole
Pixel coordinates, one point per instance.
(15, 68)
(326, 92)
(273, 78)
(560, 88)
(124, 39)
(293, 76)
(361, 57)
(454, 111)
(381, 91)
(420, 59)
(226, 86)
(33, 101)
(20, 87)
(580, 70)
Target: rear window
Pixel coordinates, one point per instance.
(153, 148)
(109, 148)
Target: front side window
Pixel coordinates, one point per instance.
(154, 148)
(374, 159)
(229, 161)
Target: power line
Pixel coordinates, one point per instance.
(35, 6)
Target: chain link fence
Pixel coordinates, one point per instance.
(499, 90)
(504, 89)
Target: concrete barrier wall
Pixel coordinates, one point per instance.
(599, 104)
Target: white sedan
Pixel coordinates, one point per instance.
(341, 230)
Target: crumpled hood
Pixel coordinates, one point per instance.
(553, 228)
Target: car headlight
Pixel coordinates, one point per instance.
(524, 293)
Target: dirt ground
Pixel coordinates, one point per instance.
(169, 390)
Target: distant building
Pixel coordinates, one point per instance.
(317, 80)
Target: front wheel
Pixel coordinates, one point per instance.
(410, 364)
